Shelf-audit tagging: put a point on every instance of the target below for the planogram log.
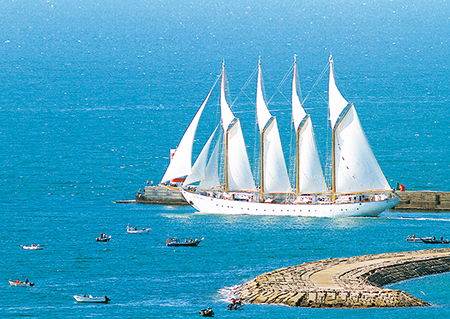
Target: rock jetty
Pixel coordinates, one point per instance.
(355, 282)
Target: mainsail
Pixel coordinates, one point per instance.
(238, 174)
(355, 169)
(274, 176)
(180, 165)
(309, 174)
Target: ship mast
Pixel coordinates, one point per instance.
(226, 161)
(333, 166)
(226, 131)
(262, 168)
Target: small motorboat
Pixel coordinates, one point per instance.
(188, 242)
(103, 238)
(91, 299)
(135, 230)
(19, 283)
(416, 239)
(33, 247)
(208, 312)
(435, 241)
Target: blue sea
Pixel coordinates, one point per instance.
(93, 94)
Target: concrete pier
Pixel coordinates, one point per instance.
(161, 195)
(354, 282)
(423, 201)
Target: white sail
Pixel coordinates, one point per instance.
(262, 111)
(199, 167)
(357, 170)
(276, 179)
(239, 172)
(225, 111)
(180, 165)
(310, 175)
(298, 113)
(336, 102)
(310, 172)
(211, 177)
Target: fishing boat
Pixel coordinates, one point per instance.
(103, 238)
(188, 242)
(91, 299)
(358, 186)
(208, 312)
(131, 230)
(19, 283)
(33, 247)
(435, 241)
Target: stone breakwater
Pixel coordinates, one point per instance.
(354, 282)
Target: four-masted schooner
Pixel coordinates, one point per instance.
(358, 187)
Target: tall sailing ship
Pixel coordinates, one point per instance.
(358, 186)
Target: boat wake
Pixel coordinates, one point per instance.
(421, 218)
(227, 293)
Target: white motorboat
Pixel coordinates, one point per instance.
(91, 299)
(417, 239)
(131, 230)
(33, 247)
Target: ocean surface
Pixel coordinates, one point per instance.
(94, 94)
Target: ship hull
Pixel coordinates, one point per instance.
(211, 205)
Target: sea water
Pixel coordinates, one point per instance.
(94, 95)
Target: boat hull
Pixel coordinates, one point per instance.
(32, 247)
(212, 205)
(431, 241)
(139, 231)
(192, 244)
(91, 299)
(20, 284)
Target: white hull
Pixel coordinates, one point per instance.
(138, 231)
(211, 205)
(91, 299)
(32, 247)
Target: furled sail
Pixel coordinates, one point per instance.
(199, 167)
(211, 177)
(239, 172)
(180, 165)
(309, 170)
(336, 102)
(274, 173)
(357, 170)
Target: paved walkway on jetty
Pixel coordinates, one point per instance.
(354, 282)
